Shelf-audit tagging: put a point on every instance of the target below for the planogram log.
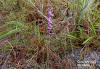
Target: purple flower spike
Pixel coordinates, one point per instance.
(50, 20)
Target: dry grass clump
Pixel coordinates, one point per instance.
(24, 25)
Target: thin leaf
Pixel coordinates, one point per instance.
(70, 36)
(92, 26)
(87, 40)
(18, 24)
(85, 9)
(10, 33)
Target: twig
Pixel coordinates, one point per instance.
(38, 10)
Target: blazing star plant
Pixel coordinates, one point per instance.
(50, 20)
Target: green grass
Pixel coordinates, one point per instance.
(75, 25)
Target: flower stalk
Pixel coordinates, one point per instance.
(50, 20)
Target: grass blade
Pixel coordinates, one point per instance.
(87, 40)
(18, 24)
(92, 26)
(70, 36)
(10, 33)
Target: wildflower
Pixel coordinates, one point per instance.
(50, 20)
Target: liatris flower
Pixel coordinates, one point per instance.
(50, 20)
